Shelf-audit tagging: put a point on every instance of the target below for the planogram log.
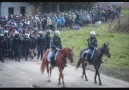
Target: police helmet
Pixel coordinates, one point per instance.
(40, 32)
(56, 33)
(92, 33)
(48, 32)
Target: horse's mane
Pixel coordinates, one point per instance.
(98, 53)
(64, 53)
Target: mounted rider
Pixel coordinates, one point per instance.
(92, 44)
(55, 46)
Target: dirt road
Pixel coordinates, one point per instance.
(27, 74)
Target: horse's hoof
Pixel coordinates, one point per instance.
(64, 86)
(95, 82)
(59, 83)
(100, 84)
(49, 80)
(86, 79)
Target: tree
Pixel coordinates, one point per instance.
(61, 6)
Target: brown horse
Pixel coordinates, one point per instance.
(60, 62)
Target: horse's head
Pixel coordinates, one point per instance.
(70, 54)
(106, 50)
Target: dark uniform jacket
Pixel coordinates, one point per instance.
(16, 41)
(92, 43)
(48, 40)
(32, 43)
(26, 43)
(56, 43)
(41, 41)
(1, 42)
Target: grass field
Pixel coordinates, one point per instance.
(118, 44)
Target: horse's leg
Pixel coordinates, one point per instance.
(59, 83)
(85, 64)
(62, 76)
(95, 74)
(48, 72)
(100, 83)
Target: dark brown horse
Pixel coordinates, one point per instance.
(96, 61)
(60, 62)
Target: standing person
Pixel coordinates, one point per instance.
(11, 48)
(1, 47)
(21, 46)
(32, 45)
(48, 39)
(41, 44)
(16, 44)
(26, 46)
(55, 46)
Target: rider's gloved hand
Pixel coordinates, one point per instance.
(57, 49)
(95, 47)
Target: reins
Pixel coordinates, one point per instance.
(60, 53)
(99, 51)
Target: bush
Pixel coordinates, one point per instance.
(121, 26)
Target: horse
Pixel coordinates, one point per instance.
(60, 62)
(96, 61)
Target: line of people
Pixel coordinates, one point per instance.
(24, 45)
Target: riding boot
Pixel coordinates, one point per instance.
(88, 58)
(52, 64)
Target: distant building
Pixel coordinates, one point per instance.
(15, 8)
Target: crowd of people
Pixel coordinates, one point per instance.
(21, 35)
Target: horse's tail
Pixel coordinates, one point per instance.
(78, 64)
(44, 62)
(80, 59)
(43, 66)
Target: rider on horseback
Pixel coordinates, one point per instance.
(92, 44)
(55, 45)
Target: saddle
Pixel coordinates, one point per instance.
(87, 56)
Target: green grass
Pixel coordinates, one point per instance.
(118, 44)
(125, 12)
